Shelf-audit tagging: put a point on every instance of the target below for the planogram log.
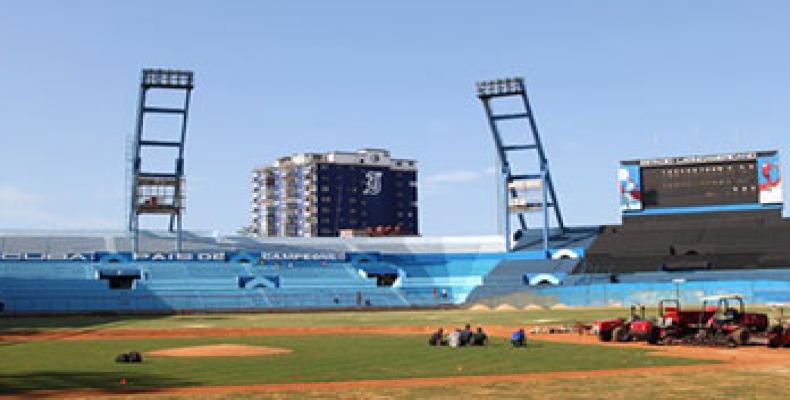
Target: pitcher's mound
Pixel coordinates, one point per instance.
(219, 350)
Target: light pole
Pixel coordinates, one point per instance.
(677, 283)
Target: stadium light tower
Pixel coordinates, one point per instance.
(523, 192)
(160, 192)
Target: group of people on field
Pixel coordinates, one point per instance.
(466, 337)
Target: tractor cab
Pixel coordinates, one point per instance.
(668, 312)
(637, 313)
(727, 309)
(729, 314)
(639, 326)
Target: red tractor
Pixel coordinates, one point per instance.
(731, 325)
(722, 321)
(675, 325)
(636, 327)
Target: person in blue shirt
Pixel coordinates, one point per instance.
(519, 338)
(466, 336)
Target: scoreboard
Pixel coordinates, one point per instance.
(731, 181)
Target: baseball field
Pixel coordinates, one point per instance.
(381, 355)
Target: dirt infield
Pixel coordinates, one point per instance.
(727, 358)
(219, 350)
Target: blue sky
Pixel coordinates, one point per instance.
(609, 80)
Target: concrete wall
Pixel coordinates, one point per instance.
(754, 292)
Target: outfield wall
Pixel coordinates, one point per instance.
(624, 294)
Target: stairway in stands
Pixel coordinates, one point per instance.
(511, 276)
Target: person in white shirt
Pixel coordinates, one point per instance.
(454, 339)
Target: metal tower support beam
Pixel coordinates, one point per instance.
(159, 192)
(514, 202)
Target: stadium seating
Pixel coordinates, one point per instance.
(28, 286)
(51, 244)
(423, 273)
(511, 276)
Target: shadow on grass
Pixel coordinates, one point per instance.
(24, 384)
(29, 325)
(34, 324)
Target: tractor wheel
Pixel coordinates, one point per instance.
(654, 336)
(700, 338)
(617, 334)
(620, 334)
(605, 336)
(740, 336)
(774, 341)
(775, 337)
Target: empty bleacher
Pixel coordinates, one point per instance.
(30, 286)
(511, 276)
(725, 240)
(51, 244)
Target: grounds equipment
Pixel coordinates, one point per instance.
(721, 321)
(635, 327)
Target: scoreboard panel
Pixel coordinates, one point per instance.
(699, 185)
(731, 180)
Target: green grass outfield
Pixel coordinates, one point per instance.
(64, 364)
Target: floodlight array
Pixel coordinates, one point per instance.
(167, 78)
(500, 87)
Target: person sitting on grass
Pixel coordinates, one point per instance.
(466, 336)
(454, 338)
(437, 338)
(519, 338)
(479, 338)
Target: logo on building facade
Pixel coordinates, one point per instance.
(373, 183)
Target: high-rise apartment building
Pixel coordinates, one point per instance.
(322, 194)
